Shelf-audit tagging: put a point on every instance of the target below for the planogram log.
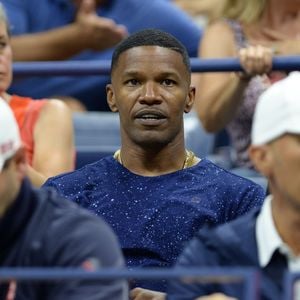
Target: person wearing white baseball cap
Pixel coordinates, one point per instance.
(11, 152)
(278, 111)
(267, 238)
(38, 228)
(10, 140)
(275, 152)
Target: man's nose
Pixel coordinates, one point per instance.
(150, 94)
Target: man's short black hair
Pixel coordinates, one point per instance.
(151, 37)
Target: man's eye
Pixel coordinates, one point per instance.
(168, 82)
(132, 82)
(3, 44)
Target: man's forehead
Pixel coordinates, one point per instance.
(150, 50)
(78, 2)
(141, 55)
(291, 135)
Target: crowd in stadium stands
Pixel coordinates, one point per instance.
(180, 192)
(45, 126)
(75, 29)
(38, 228)
(166, 206)
(254, 31)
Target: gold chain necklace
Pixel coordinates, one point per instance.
(189, 161)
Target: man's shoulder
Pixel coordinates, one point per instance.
(223, 176)
(57, 207)
(99, 168)
(228, 231)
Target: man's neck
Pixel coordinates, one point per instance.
(154, 162)
(287, 222)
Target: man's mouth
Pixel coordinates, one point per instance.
(150, 118)
(157, 115)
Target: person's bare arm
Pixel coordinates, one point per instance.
(36, 178)
(280, 43)
(145, 294)
(88, 31)
(57, 44)
(211, 8)
(216, 296)
(219, 95)
(53, 140)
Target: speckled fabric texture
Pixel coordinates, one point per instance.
(155, 216)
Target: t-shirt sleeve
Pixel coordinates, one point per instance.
(89, 244)
(252, 197)
(54, 184)
(70, 188)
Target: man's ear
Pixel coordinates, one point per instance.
(190, 99)
(261, 156)
(110, 98)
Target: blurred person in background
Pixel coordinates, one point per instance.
(202, 11)
(85, 30)
(46, 126)
(40, 229)
(254, 31)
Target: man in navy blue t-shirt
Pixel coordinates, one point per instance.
(155, 193)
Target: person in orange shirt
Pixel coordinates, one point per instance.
(46, 126)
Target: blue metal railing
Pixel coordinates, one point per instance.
(102, 67)
(248, 276)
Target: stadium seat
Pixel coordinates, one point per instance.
(196, 138)
(96, 135)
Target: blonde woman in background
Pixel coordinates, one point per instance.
(253, 30)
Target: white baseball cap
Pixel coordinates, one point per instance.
(10, 140)
(277, 111)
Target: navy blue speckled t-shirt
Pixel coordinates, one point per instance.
(154, 217)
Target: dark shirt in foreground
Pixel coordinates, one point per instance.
(41, 229)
